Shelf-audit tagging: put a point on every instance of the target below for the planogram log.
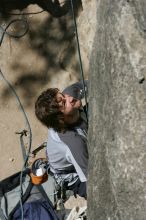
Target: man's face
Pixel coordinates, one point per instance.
(68, 104)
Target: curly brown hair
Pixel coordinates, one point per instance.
(47, 110)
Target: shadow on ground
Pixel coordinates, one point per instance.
(52, 39)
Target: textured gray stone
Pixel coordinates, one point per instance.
(117, 131)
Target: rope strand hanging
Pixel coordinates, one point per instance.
(4, 31)
(30, 136)
(80, 60)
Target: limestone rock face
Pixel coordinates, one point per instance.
(117, 129)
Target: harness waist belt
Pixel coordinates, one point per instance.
(67, 170)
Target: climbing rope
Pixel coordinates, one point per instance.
(4, 30)
(25, 155)
(23, 13)
(80, 60)
(30, 137)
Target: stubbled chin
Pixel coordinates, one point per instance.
(72, 117)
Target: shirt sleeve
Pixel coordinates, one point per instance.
(76, 90)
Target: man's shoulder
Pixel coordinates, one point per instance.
(52, 134)
(58, 136)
